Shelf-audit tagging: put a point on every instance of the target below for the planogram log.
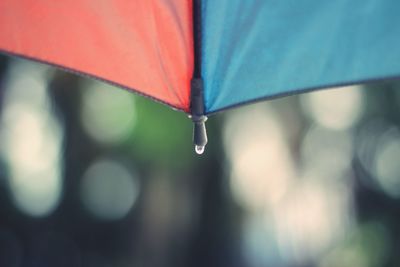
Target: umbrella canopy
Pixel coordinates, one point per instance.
(203, 56)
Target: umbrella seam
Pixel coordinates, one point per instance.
(197, 53)
(161, 65)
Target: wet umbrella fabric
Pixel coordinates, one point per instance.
(234, 51)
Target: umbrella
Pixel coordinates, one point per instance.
(204, 56)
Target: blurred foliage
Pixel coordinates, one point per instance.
(162, 135)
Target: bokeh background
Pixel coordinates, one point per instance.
(92, 175)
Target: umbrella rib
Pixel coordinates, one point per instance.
(305, 90)
(92, 76)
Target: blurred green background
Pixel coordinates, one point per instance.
(92, 175)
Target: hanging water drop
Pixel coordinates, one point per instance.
(199, 149)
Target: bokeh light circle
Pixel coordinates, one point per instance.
(109, 190)
(108, 114)
(336, 109)
(387, 167)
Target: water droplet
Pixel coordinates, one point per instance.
(199, 149)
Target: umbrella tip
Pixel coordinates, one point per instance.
(199, 133)
(197, 115)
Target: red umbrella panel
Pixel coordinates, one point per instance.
(145, 46)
